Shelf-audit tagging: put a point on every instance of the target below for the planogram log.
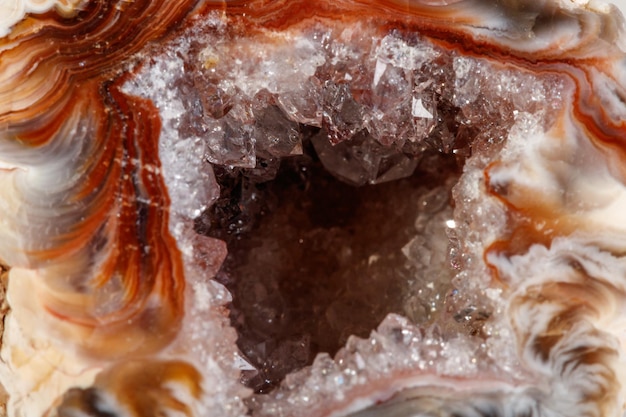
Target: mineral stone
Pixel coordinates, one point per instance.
(312, 208)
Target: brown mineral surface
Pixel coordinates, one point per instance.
(313, 260)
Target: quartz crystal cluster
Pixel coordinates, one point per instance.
(313, 208)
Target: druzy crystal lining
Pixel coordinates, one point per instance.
(124, 124)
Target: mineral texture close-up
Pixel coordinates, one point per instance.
(312, 208)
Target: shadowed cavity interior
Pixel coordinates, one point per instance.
(313, 259)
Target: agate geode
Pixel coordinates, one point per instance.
(312, 208)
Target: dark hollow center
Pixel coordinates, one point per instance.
(313, 260)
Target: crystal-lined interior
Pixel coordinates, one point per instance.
(335, 177)
(313, 260)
